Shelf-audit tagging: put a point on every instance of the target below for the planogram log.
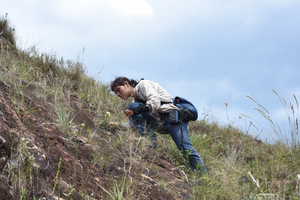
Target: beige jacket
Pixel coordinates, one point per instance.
(154, 94)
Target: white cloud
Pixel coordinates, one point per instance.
(126, 21)
(134, 7)
(102, 11)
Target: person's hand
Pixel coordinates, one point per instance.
(128, 113)
(112, 123)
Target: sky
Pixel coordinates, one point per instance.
(211, 52)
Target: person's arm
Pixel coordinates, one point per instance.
(149, 91)
(136, 110)
(126, 124)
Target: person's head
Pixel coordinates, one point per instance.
(123, 87)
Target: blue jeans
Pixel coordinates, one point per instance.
(147, 125)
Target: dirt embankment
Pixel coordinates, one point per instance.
(31, 147)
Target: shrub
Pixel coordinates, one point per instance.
(7, 31)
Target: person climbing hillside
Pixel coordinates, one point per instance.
(150, 112)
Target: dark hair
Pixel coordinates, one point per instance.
(120, 81)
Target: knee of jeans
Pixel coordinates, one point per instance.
(133, 105)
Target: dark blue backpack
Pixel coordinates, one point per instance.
(183, 103)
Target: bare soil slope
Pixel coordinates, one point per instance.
(29, 141)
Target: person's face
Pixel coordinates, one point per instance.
(123, 91)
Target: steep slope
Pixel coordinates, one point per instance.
(39, 160)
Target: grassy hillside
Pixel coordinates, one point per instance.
(239, 166)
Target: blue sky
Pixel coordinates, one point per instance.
(209, 51)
